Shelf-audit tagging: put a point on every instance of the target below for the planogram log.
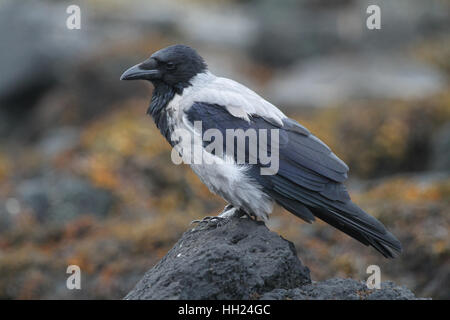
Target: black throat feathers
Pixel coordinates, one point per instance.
(162, 95)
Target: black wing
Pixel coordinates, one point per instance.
(309, 179)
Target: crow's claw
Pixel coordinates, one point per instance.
(205, 219)
(209, 221)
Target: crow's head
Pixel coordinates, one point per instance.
(175, 66)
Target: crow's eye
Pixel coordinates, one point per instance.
(170, 65)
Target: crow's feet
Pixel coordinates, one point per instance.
(228, 213)
(208, 222)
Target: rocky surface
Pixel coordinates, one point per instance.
(245, 260)
(341, 289)
(239, 260)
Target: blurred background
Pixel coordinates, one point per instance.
(86, 178)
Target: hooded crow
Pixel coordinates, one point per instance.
(308, 180)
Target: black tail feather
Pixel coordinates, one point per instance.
(354, 225)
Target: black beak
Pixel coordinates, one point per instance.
(142, 71)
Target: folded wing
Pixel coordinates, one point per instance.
(309, 180)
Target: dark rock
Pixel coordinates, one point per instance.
(240, 260)
(341, 289)
(440, 160)
(245, 260)
(60, 197)
(58, 140)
